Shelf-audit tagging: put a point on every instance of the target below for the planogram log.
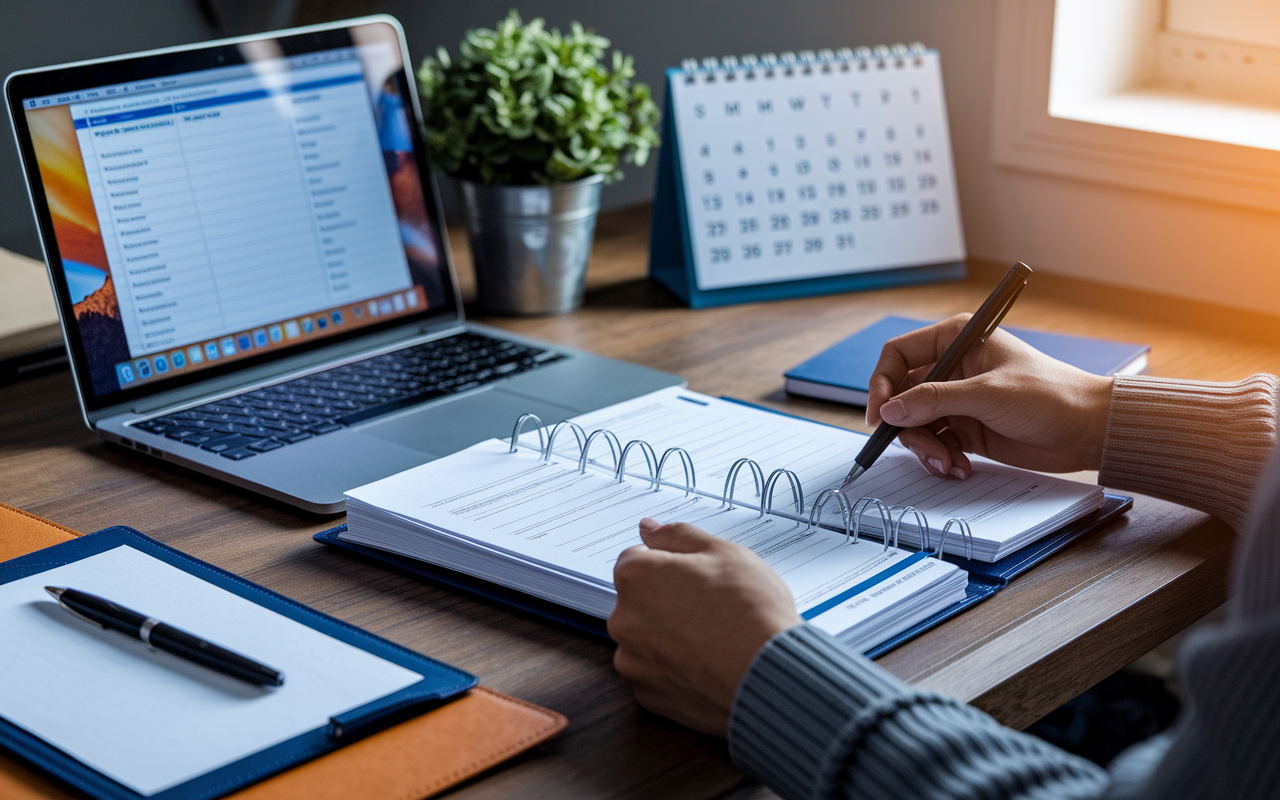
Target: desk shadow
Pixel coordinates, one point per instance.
(440, 597)
(143, 653)
(201, 488)
(634, 293)
(776, 396)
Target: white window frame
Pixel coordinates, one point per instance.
(1026, 137)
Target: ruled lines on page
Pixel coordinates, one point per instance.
(1005, 506)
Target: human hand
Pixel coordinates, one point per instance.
(692, 613)
(1007, 401)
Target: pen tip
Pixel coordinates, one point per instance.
(55, 591)
(853, 475)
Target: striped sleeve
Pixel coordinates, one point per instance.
(813, 720)
(1195, 443)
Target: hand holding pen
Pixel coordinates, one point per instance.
(976, 330)
(1006, 401)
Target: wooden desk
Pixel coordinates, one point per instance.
(1053, 633)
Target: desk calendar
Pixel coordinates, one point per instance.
(796, 175)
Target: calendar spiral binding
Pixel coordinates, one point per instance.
(806, 62)
(851, 514)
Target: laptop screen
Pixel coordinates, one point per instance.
(267, 198)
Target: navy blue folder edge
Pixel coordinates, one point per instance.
(440, 683)
(671, 253)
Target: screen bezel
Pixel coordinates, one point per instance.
(190, 58)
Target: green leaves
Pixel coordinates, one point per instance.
(523, 105)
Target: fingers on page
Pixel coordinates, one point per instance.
(677, 537)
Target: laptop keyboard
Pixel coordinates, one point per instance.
(256, 422)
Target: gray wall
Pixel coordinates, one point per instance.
(659, 33)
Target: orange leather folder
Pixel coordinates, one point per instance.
(414, 759)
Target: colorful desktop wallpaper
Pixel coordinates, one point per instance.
(406, 192)
(84, 259)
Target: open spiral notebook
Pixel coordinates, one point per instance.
(548, 515)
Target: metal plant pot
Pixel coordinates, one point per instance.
(530, 244)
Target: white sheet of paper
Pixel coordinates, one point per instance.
(148, 719)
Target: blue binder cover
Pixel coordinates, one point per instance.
(440, 682)
(671, 248)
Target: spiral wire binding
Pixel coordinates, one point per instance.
(797, 492)
(578, 433)
(966, 537)
(731, 479)
(746, 67)
(690, 474)
(845, 512)
(515, 433)
(886, 519)
(650, 458)
(614, 447)
(851, 514)
(922, 522)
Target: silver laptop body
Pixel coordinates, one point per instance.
(248, 255)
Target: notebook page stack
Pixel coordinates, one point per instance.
(551, 523)
(1007, 508)
(546, 529)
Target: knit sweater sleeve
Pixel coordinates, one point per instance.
(813, 720)
(1196, 443)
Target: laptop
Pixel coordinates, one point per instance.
(247, 252)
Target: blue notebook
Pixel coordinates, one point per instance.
(842, 372)
(418, 682)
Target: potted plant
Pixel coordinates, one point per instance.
(530, 122)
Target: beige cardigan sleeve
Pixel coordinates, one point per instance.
(1195, 443)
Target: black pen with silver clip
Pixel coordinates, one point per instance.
(979, 327)
(106, 614)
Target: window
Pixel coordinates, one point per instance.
(1176, 96)
(1249, 21)
(1197, 68)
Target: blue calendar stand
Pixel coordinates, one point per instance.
(671, 244)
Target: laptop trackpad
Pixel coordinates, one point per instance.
(443, 428)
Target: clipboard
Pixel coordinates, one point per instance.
(471, 730)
